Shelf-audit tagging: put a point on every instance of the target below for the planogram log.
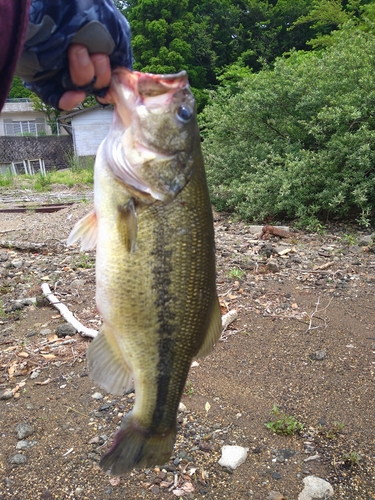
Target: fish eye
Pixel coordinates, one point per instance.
(184, 113)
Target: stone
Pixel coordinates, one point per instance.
(318, 355)
(17, 263)
(18, 459)
(45, 331)
(24, 444)
(182, 407)
(272, 266)
(24, 430)
(41, 301)
(315, 489)
(65, 329)
(97, 395)
(34, 374)
(6, 394)
(365, 241)
(233, 456)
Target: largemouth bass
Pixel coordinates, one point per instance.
(155, 264)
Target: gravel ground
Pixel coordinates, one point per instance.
(303, 340)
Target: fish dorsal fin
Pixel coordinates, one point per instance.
(213, 332)
(86, 230)
(107, 366)
(127, 225)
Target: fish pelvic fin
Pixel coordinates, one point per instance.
(135, 446)
(127, 225)
(86, 230)
(107, 366)
(213, 332)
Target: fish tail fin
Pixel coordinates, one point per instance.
(135, 446)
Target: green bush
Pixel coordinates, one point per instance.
(297, 141)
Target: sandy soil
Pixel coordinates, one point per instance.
(304, 340)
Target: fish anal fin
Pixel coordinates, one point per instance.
(127, 225)
(135, 446)
(213, 331)
(86, 230)
(107, 366)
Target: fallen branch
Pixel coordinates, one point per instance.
(228, 318)
(67, 315)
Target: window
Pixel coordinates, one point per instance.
(24, 128)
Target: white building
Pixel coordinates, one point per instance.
(18, 118)
(88, 126)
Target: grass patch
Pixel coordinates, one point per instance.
(284, 424)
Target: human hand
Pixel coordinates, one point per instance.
(70, 49)
(83, 67)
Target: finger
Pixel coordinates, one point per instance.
(81, 67)
(71, 99)
(102, 69)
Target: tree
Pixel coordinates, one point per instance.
(51, 113)
(18, 90)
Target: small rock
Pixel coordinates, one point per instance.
(18, 459)
(65, 329)
(276, 475)
(24, 430)
(78, 491)
(318, 355)
(46, 495)
(233, 456)
(315, 489)
(6, 394)
(275, 495)
(41, 301)
(97, 395)
(364, 241)
(272, 266)
(45, 331)
(24, 444)
(17, 263)
(34, 374)
(31, 334)
(4, 256)
(155, 489)
(182, 407)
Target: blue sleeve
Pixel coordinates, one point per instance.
(53, 26)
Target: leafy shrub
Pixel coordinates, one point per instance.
(297, 140)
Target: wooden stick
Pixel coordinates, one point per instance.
(67, 315)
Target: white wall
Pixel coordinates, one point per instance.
(89, 129)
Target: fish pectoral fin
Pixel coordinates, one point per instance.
(86, 230)
(213, 332)
(127, 225)
(107, 366)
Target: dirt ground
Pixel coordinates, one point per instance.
(304, 341)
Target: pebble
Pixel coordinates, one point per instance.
(35, 374)
(315, 489)
(24, 444)
(272, 266)
(318, 355)
(182, 407)
(18, 459)
(233, 456)
(17, 263)
(6, 394)
(97, 395)
(45, 331)
(65, 329)
(24, 430)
